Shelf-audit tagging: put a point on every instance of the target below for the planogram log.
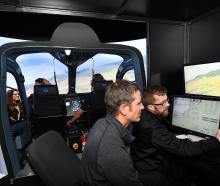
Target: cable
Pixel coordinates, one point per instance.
(92, 67)
(54, 72)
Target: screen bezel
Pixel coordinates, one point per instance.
(184, 78)
(191, 96)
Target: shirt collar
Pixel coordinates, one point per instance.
(125, 134)
(159, 118)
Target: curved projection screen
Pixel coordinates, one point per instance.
(202, 79)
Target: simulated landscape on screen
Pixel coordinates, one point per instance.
(203, 79)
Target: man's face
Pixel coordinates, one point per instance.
(161, 105)
(134, 110)
(46, 82)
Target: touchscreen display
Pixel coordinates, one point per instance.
(72, 105)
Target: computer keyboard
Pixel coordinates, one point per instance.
(181, 136)
(189, 136)
(194, 138)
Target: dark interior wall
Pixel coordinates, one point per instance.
(166, 55)
(204, 37)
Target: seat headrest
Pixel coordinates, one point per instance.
(101, 85)
(45, 90)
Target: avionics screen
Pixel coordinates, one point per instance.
(196, 114)
(72, 105)
(202, 79)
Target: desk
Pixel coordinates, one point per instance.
(205, 169)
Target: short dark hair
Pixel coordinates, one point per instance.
(97, 77)
(148, 94)
(39, 80)
(119, 93)
(42, 81)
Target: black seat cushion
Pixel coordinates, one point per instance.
(54, 161)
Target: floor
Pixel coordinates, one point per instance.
(24, 177)
(27, 181)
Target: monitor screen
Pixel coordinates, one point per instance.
(72, 105)
(202, 79)
(196, 114)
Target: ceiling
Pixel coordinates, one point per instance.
(114, 20)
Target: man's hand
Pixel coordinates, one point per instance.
(77, 114)
(69, 123)
(218, 135)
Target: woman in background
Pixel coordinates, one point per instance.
(15, 109)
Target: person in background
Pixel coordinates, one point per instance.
(87, 103)
(41, 81)
(156, 152)
(38, 81)
(15, 109)
(106, 159)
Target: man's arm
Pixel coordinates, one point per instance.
(165, 140)
(77, 114)
(84, 108)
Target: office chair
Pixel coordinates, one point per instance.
(53, 161)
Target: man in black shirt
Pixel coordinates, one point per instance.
(156, 151)
(87, 103)
(106, 160)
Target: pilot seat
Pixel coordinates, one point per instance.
(48, 109)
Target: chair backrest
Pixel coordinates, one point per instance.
(53, 161)
(98, 109)
(47, 101)
(100, 86)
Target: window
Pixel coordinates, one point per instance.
(11, 82)
(43, 65)
(129, 75)
(141, 45)
(105, 64)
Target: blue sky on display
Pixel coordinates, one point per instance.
(41, 64)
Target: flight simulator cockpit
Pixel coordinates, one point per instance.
(71, 72)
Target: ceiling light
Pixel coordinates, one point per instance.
(67, 52)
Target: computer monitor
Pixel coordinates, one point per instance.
(72, 105)
(196, 114)
(202, 79)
